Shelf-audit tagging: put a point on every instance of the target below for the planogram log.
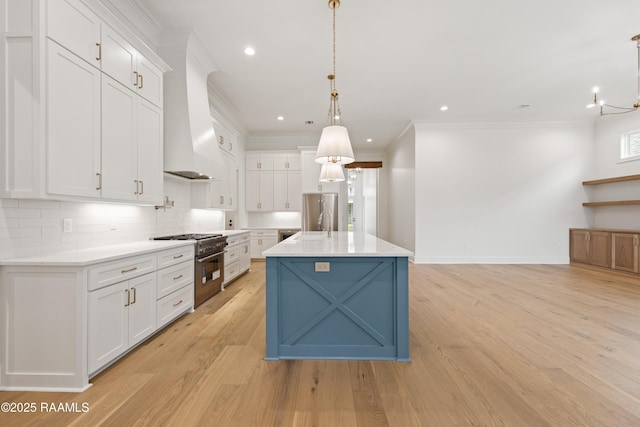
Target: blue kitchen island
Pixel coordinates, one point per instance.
(344, 296)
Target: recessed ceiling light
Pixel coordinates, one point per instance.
(249, 51)
(444, 108)
(369, 139)
(280, 118)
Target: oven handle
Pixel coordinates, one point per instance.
(210, 256)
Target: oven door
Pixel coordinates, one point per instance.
(209, 275)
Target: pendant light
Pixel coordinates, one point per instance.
(334, 145)
(606, 109)
(331, 172)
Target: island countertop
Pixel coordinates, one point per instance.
(339, 244)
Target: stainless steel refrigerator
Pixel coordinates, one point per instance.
(319, 210)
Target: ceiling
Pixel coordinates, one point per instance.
(401, 60)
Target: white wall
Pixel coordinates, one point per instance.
(607, 164)
(401, 183)
(34, 227)
(503, 193)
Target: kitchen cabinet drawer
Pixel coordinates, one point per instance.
(117, 271)
(172, 278)
(238, 238)
(232, 254)
(231, 271)
(175, 256)
(173, 305)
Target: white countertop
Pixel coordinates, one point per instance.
(82, 257)
(340, 244)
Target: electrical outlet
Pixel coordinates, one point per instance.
(67, 225)
(323, 267)
(112, 223)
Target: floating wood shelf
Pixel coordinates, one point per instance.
(613, 203)
(611, 180)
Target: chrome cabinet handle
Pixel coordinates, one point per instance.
(99, 175)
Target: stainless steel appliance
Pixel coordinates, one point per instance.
(285, 234)
(320, 211)
(209, 263)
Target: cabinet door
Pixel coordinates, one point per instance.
(294, 190)
(624, 252)
(293, 162)
(280, 193)
(232, 183)
(600, 248)
(252, 162)
(73, 124)
(74, 26)
(108, 327)
(310, 173)
(118, 58)
(256, 249)
(142, 308)
(150, 153)
(578, 246)
(119, 141)
(252, 190)
(266, 191)
(245, 256)
(150, 80)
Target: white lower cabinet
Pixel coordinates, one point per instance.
(67, 316)
(237, 258)
(262, 240)
(120, 316)
(130, 299)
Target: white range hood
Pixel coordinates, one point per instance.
(190, 144)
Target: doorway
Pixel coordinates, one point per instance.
(362, 200)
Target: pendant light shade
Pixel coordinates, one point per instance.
(331, 172)
(334, 146)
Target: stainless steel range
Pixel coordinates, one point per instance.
(209, 263)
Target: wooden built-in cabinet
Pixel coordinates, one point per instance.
(610, 248)
(624, 251)
(591, 247)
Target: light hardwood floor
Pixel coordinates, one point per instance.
(504, 345)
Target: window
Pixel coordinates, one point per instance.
(630, 145)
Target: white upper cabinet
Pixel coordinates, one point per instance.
(125, 64)
(227, 139)
(73, 133)
(89, 121)
(311, 176)
(286, 162)
(258, 162)
(73, 25)
(218, 194)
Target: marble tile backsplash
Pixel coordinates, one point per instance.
(35, 227)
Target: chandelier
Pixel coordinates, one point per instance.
(334, 146)
(606, 109)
